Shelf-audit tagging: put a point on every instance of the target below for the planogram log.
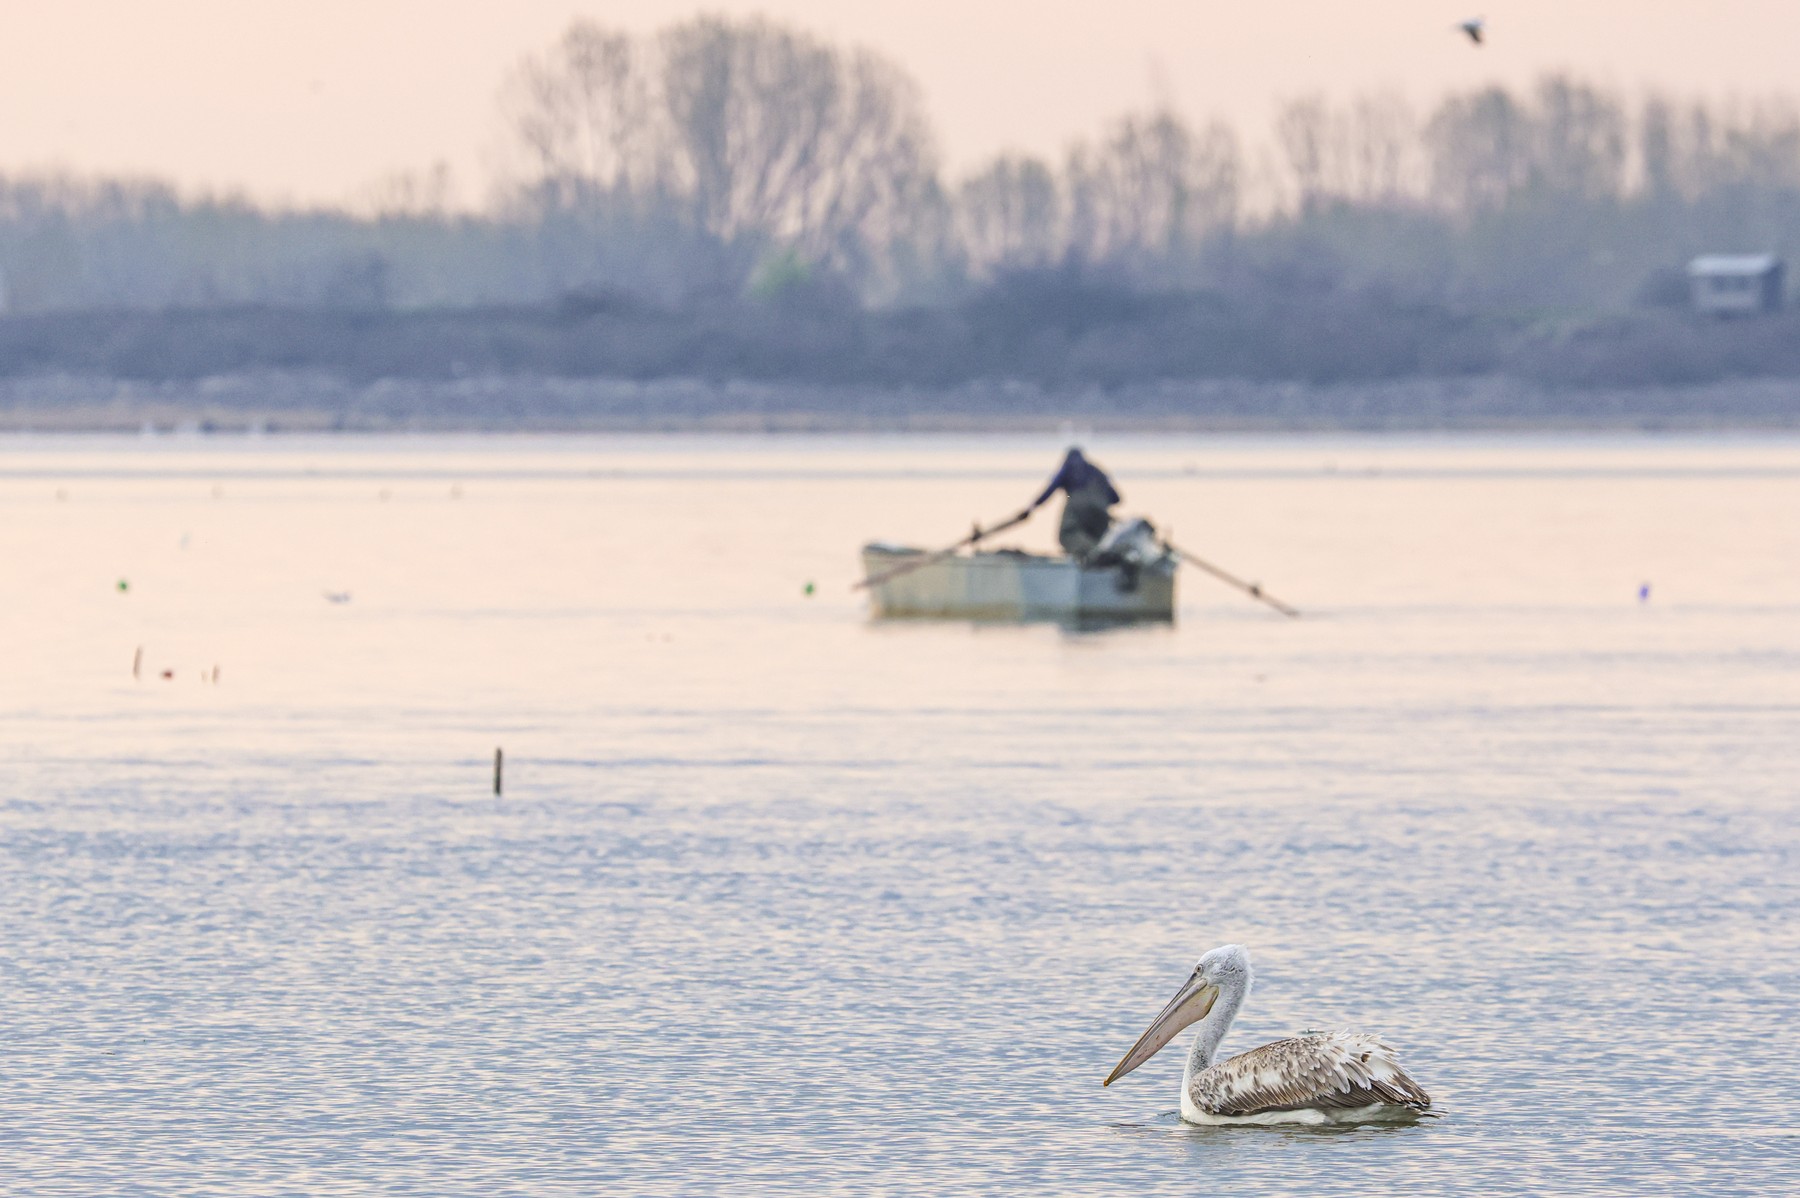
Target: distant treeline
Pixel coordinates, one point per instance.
(1055, 331)
(738, 198)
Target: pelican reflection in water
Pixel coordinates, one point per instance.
(1315, 1077)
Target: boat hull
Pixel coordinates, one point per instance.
(1010, 585)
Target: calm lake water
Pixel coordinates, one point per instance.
(781, 900)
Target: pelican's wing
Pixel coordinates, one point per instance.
(1324, 1071)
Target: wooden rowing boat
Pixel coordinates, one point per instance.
(1009, 584)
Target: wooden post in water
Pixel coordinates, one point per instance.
(498, 758)
(137, 661)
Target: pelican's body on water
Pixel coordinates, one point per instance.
(1315, 1077)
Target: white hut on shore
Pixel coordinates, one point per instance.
(1737, 284)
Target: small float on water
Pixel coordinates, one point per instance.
(1131, 577)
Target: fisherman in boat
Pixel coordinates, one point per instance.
(1085, 516)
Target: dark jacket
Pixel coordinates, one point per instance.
(1076, 473)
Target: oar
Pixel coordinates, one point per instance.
(912, 564)
(1251, 589)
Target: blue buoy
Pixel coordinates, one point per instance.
(1644, 593)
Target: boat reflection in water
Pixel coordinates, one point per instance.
(1129, 579)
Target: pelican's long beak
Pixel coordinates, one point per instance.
(1190, 1004)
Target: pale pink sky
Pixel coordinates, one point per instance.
(315, 99)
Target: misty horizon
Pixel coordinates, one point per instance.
(728, 199)
(298, 135)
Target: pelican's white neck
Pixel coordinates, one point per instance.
(1209, 1032)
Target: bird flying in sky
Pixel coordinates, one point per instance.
(1472, 27)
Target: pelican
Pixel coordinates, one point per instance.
(1315, 1077)
(1473, 27)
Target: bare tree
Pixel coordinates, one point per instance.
(1568, 143)
(1693, 150)
(760, 135)
(427, 194)
(1480, 146)
(586, 115)
(1303, 133)
(1010, 215)
(783, 137)
(1379, 137)
(1760, 148)
(1658, 149)
(1150, 189)
(1364, 152)
(1579, 148)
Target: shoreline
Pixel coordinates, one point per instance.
(276, 403)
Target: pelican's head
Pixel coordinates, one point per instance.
(1225, 966)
